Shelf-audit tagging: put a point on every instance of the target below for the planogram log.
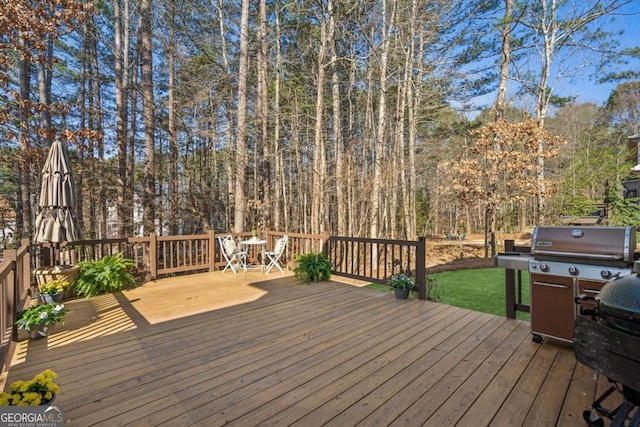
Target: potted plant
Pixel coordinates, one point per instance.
(53, 291)
(313, 267)
(401, 285)
(111, 273)
(41, 390)
(38, 318)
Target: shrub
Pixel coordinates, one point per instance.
(109, 274)
(312, 267)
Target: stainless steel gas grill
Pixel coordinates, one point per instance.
(565, 262)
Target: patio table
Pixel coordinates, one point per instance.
(255, 242)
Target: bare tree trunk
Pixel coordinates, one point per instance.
(549, 31)
(319, 160)
(121, 86)
(24, 202)
(101, 204)
(378, 184)
(148, 114)
(85, 217)
(131, 146)
(279, 183)
(505, 58)
(337, 127)
(349, 147)
(44, 89)
(229, 167)
(173, 137)
(414, 101)
(241, 137)
(266, 205)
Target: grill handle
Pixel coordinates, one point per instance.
(608, 257)
(585, 311)
(551, 285)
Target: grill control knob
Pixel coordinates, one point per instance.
(573, 270)
(606, 274)
(544, 267)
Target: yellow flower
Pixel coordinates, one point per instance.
(32, 398)
(5, 398)
(18, 386)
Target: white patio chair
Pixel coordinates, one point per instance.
(236, 258)
(275, 254)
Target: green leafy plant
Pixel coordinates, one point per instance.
(312, 267)
(401, 281)
(34, 392)
(57, 286)
(109, 274)
(433, 293)
(45, 315)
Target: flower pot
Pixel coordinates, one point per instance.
(48, 299)
(39, 331)
(401, 293)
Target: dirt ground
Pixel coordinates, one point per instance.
(446, 255)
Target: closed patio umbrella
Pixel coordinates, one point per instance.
(56, 222)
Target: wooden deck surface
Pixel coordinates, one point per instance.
(217, 349)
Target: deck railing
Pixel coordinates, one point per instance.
(377, 260)
(15, 282)
(158, 256)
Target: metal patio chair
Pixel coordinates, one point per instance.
(275, 255)
(235, 258)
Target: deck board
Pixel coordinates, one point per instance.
(251, 349)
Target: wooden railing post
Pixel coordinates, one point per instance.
(153, 256)
(25, 247)
(212, 250)
(421, 268)
(510, 283)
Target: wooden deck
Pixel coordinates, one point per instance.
(214, 349)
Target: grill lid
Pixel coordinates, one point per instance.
(607, 244)
(621, 297)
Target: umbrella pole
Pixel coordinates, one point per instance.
(52, 254)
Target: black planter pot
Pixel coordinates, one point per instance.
(401, 293)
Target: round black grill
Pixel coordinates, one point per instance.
(619, 304)
(609, 343)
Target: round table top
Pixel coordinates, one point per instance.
(253, 242)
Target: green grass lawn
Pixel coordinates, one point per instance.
(480, 290)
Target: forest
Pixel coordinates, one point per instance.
(380, 118)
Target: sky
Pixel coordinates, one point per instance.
(584, 87)
(590, 91)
